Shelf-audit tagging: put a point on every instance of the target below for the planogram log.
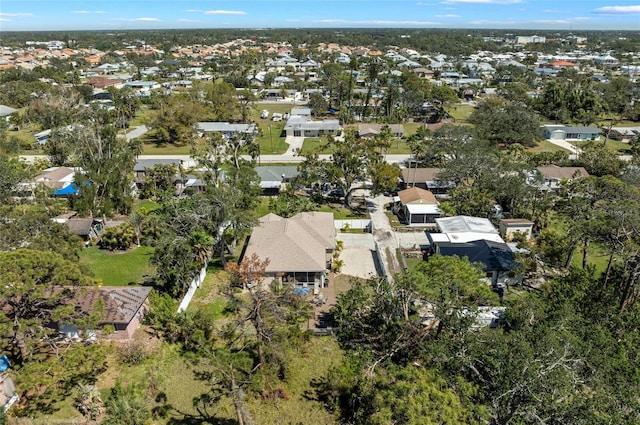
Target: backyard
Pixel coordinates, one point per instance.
(119, 268)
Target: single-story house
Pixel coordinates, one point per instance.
(562, 132)
(509, 227)
(417, 206)
(372, 130)
(462, 229)
(426, 178)
(87, 228)
(124, 308)
(228, 130)
(553, 175)
(6, 111)
(60, 179)
(624, 134)
(141, 165)
(272, 177)
(496, 258)
(299, 249)
(304, 126)
(42, 137)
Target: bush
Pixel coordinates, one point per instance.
(121, 237)
(134, 352)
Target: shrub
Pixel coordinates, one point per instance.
(121, 237)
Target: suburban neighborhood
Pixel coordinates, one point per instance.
(260, 227)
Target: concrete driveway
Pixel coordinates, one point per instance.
(359, 256)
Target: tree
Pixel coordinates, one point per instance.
(159, 182)
(11, 172)
(222, 102)
(107, 161)
(31, 302)
(506, 124)
(318, 104)
(274, 312)
(348, 163)
(175, 120)
(35, 230)
(127, 406)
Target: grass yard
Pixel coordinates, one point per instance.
(118, 268)
(316, 144)
(165, 149)
(545, 146)
(143, 116)
(146, 205)
(270, 141)
(207, 298)
(460, 112)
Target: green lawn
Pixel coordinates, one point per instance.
(545, 146)
(143, 117)
(460, 113)
(118, 268)
(146, 205)
(270, 141)
(316, 144)
(165, 149)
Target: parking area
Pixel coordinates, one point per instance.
(412, 240)
(358, 255)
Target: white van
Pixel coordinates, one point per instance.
(276, 116)
(265, 114)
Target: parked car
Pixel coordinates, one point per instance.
(276, 116)
(336, 193)
(265, 114)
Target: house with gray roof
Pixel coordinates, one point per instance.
(299, 249)
(563, 132)
(227, 130)
(6, 111)
(272, 177)
(304, 126)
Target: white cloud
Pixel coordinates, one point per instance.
(375, 22)
(488, 22)
(86, 12)
(143, 19)
(194, 11)
(16, 15)
(5, 20)
(447, 16)
(225, 12)
(424, 3)
(483, 1)
(618, 10)
(192, 21)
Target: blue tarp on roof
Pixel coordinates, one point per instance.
(4, 363)
(70, 189)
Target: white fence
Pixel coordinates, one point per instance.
(354, 224)
(195, 284)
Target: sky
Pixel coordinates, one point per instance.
(34, 15)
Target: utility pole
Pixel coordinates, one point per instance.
(271, 138)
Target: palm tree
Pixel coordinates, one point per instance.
(202, 244)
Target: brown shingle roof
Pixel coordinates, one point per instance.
(420, 174)
(120, 303)
(555, 172)
(295, 244)
(415, 195)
